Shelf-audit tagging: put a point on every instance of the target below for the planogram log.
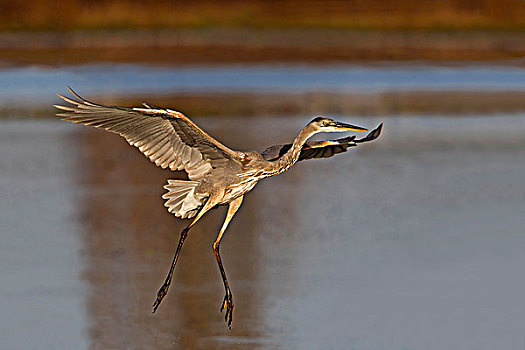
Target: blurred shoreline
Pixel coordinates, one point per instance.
(401, 15)
(230, 45)
(248, 47)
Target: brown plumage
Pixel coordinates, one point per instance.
(217, 174)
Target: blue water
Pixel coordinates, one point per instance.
(414, 241)
(38, 85)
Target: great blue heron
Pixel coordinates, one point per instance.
(217, 174)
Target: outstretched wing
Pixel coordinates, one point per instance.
(321, 149)
(168, 138)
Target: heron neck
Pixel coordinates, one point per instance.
(289, 158)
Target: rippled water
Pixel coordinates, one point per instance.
(413, 242)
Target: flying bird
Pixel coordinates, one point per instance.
(217, 175)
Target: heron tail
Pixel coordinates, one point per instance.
(181, 199)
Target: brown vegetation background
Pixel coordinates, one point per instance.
(52, 33)
(507, 15)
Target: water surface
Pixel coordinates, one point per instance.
(415, 241)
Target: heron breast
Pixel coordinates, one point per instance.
(239, 188)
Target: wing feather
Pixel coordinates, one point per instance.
(168, 138)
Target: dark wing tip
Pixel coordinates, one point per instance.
(372, 135)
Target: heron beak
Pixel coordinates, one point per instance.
(344, 126)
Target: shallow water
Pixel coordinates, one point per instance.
(415, 241)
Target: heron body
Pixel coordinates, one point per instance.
(217, 175)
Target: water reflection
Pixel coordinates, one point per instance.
(415, 241)
(130, 240)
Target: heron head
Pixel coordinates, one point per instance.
(323, 124)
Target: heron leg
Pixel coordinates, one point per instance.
(164, 288)
(228, 297)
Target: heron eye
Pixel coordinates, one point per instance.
(325, 123)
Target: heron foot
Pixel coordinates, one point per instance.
(160, 295)
(227, 305)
